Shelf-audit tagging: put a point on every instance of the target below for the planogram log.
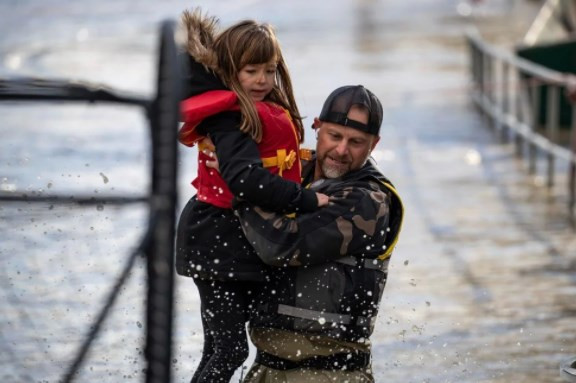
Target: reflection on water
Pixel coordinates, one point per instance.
(59, 264)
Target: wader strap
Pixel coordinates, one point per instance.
(376, 264)
(317, 316)
(352, 361)
(299, 312)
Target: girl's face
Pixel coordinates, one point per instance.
(257, 80)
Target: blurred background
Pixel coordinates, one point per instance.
(482, 285)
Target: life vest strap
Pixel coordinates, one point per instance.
(351, 361)
(305, 154)
(282, 160)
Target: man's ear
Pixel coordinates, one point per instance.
(317, 123)
(376, 139)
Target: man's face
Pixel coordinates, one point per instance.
(341, 149)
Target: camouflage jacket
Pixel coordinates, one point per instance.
(333, 262)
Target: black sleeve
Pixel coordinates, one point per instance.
(242, 169)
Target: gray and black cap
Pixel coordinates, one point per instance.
(339, 102)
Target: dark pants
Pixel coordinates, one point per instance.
(225, 309)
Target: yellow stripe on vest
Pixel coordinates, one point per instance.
(391, 247)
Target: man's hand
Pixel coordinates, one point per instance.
(213, 163)
(209, 151)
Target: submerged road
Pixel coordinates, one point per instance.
(482, 286)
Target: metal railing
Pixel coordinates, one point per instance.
(508, 90)
(157, 245)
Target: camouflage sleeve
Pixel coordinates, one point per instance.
(354, 223)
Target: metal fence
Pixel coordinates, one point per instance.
(512, 93)
(157, 245)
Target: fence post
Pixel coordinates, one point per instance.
(571, 94)
(483, 71)
(520, 113)
(491, 91)
(506, 98)
(572, 176)
(164, 118)
(534, 120)
(552, 103)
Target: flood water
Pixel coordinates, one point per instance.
(482, 286)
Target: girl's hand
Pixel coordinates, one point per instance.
(323, 199)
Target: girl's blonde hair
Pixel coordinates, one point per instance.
(249, 43)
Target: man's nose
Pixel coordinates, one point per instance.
(342, 147)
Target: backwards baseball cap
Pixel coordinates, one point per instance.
(339, 102)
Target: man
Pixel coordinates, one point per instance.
(318, 310)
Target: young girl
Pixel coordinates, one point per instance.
(240, 97)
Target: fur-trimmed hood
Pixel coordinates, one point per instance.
(200, 31)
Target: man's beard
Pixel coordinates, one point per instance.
(337, 171)
(333, 171)
(330, 172)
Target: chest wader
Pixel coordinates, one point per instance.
(337, 300)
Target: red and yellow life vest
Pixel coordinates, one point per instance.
(279, 147)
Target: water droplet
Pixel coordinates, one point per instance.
(104, 178)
